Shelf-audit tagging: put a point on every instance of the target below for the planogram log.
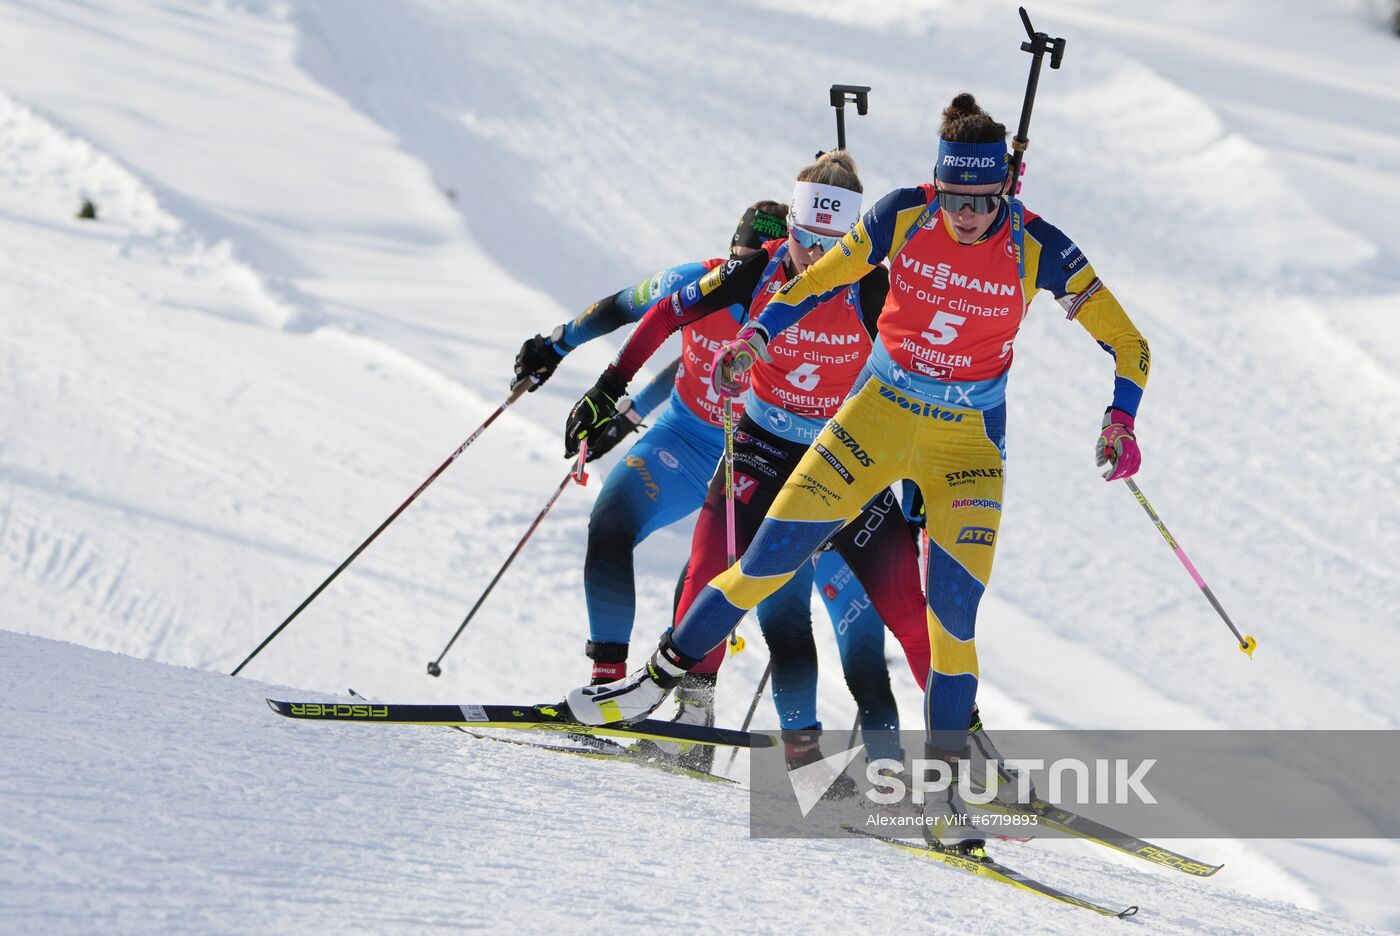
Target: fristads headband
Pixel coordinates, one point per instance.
(756, 227)
(970, 163)
(817, 205)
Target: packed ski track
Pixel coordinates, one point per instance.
(197, 811)
(324, 229)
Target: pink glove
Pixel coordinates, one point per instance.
(1117, 446)
(734, 358)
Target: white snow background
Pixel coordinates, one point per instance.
(326, 226)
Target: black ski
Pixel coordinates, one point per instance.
(521, 717)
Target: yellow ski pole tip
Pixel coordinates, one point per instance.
(1249, 646)
(736, 645)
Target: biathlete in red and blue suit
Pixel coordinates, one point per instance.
(794, 391)
(664, 477)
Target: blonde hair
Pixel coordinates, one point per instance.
(834, 167)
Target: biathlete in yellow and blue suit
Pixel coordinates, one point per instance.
(964, 264)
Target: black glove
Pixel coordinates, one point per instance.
(537, 358)
(627, 421)
(591, 414)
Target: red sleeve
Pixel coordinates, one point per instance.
(727, 282)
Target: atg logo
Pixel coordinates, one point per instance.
(977, 536)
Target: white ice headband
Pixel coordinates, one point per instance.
(815, 205)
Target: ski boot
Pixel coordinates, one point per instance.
(948, 825)
(609, 661)
(981, 752)
(609, 665)
(802, 748)
(637, 695)
(695, 705)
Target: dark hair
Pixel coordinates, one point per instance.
(775, 208)
(964, 121)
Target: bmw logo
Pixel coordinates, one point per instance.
(779, 419)
(898, 377)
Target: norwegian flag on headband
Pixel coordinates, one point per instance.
(825, 206)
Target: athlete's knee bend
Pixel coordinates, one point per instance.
(746, 591)
(790, 648)
(870, 686)
(612, 530)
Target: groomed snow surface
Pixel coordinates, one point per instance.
(325, 227)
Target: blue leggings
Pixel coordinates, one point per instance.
(661, 479)
(860, 639)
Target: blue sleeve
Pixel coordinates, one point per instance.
(656, 392)
(626, 306)
(1060, 259)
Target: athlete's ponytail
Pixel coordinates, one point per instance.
(836, 167)
(964, 121)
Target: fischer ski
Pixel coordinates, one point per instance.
(609, 750)
(522, 717)
(1082, 827)
(983, 866)
(596, 748)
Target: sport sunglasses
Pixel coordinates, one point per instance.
(809, 240)
(953, 202)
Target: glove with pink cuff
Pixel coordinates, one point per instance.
(734, 358)
(1117, 446)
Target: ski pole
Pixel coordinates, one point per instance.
(577, 475)
(517, 390)
(730, 545)
(1247, 643)
(736, 643)
(753, 707)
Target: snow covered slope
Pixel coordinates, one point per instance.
(326, 226)
(155, 799)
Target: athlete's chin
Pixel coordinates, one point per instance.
(966, 235)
